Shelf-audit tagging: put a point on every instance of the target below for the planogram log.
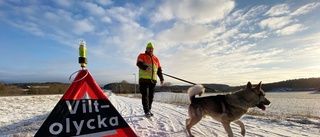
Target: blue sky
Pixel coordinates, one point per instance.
(204, 41)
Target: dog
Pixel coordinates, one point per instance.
(224, 108)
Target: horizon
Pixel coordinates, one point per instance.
(101, 85)
(226, 42)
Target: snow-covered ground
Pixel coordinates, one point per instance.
(290, 114)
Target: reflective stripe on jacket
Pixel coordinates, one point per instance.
(150, 61)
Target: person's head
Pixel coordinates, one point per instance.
(149, 48)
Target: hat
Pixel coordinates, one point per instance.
(150, 45)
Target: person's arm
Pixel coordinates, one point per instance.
(141, 66)
(140, 62)
(159, 73)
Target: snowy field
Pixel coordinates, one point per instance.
(283, 104)
(290, 114)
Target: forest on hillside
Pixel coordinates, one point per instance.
(33, 88)
(304, 84)
(296, 85)
(124, 87)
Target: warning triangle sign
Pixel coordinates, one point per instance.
(84, 111)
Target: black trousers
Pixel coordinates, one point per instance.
(147, 89)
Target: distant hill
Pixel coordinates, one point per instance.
(184, 88)
(33, 88)
(302, 84)
(294, 85)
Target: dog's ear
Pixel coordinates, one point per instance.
(259, 86)
(249, 85)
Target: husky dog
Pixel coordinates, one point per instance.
(224, 108)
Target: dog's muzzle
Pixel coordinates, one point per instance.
(262, 104)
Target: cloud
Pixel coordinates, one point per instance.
(105, 2)
(29, 27)
(187, 63)
(259, 35)
(129, 36)
(305, 9)
(275, 22)
(256, 11)
(51, 16)
(93, 8)
(106, 19)
(183, 33)
(127, 14)
(195, 66)
(82, 26)
(290, 29)
(280, 9)
(199, 12)
(64, 3)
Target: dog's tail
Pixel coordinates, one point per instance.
(195, 90)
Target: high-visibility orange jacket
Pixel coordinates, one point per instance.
(144, 61)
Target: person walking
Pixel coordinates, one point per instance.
(149, 68)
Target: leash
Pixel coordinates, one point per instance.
(186, 81)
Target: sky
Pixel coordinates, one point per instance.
(204, 41)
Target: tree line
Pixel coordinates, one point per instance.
(33, 88)
(303, 84)
(124, 87)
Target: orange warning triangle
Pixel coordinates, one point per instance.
(84, 110)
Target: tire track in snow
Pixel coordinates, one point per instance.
(134, 115)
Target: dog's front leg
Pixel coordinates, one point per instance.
(226, 125)
(243, 129)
